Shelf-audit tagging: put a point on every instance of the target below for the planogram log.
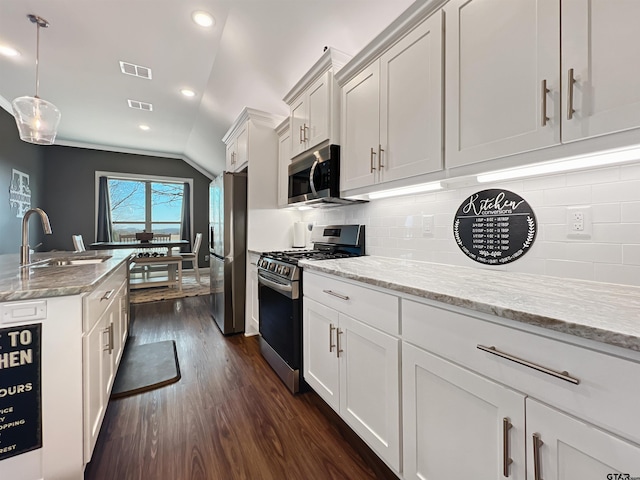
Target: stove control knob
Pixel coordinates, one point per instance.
(286, 271)
(261, 262)
(272, 266)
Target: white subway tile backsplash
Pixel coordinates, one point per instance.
(606, 213)
(624, 274)
(569, 269)
(630, 212)
(616, 192)
(612, 254)
(568, 196)
(591, 177)
(594, 252)
(631, 254)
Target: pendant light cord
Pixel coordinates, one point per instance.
(37, 57)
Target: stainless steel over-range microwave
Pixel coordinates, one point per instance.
(314, 179)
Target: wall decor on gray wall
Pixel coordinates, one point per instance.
(16, 155)
(20, 192)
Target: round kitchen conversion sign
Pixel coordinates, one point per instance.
(494, 227)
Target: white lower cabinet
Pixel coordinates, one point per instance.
(106, 320)
(445, 393)
(355, 369)
(458, 424)
(561, 447)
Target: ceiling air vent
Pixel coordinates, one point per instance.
(140, 105)
(135, 70)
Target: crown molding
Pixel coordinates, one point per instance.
(330, 59)
(259, 116)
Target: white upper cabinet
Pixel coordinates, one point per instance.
(314, 104)
(499, 57)
(531, 74)
(600, 52)
(237, 156)
(392, 111)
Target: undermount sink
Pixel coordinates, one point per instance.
(72, 261)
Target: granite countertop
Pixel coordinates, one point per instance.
(603, 312)
(36, 281)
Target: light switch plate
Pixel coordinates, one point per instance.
(427, 225)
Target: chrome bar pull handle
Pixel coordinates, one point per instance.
(380, 151)
(561, 375)
(107, 295)
(537, 443)
(506, 460)
(544, 92)
(300, 135)
(331, 344)
(304, 132)
(111, 342)
(570, 83)
(338, 350)
(372, 155)
(340, 296)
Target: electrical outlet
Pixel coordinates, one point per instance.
(427, 225)
(579, 222)
(206, 258)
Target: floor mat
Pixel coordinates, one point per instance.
(145, 367)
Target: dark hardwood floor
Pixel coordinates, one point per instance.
(229, 417)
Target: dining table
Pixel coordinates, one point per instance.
(139, 245)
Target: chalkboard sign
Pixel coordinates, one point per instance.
(20, 390)
(494, 227)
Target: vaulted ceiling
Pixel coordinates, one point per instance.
(252, 56)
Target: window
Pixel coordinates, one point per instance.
(145, 205)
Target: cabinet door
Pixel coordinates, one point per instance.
(298, 121)
(454, 422)
(97, 378)
(601, 43)
(242, 147)
(498, 54)
(370, 386)
(320, 355)
(569, 449)
(360, 129)
(284, 159)
(319, 109)
(230, 156)
(411, 89)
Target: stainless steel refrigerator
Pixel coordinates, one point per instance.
(227, 248)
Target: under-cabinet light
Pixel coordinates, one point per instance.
(607, 157)
(420, 188)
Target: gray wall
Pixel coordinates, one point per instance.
(29, 159)
(63, 184)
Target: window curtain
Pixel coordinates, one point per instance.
(105, 229)
(185, 223)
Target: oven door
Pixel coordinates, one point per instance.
(281, 318)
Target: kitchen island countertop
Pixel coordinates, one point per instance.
(604, 312)
(37, 281)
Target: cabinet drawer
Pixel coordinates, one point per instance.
(606, 394)
(378, 309)
(106, 292)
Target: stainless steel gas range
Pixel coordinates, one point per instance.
(280, 296)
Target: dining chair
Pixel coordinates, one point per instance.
(128, 237)
(162, 237)
(193, 255)
(78, 243)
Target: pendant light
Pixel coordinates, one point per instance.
(37, 119)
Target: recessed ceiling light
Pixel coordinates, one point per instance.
(144, 127)
(188, 93)
(203, 19)
(8, 51)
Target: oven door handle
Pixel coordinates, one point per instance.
(286, 289)
(311, 174)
